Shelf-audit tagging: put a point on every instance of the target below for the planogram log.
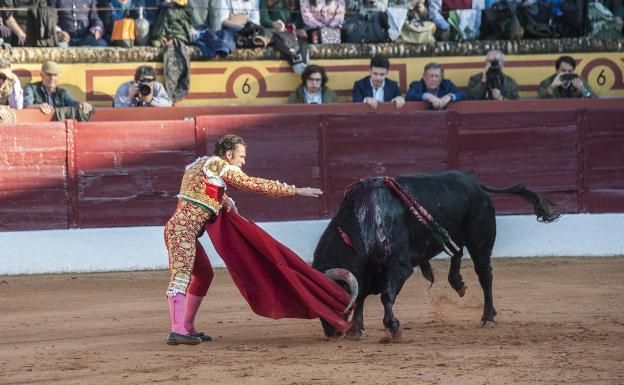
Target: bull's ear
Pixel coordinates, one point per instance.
(343, 275)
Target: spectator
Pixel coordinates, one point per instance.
(5, 32)
(313, 88)
(277, 15)
(28, 21)
(241, 17)
(617, 9)
(433, 88)
(11, 93)
(322, 19)
(443, 32)
(492, 83)
(416, 29)
(565, 83)
(376, 88)
(48, 97)
(367, 21)
(174, 22)
(143, 91)
(200, 12)
(605, 19)
(79, 23)
(19, 22)
(234, 14)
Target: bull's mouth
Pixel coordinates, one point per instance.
(343, 275)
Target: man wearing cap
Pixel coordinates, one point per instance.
(47, 96)
(143, 91)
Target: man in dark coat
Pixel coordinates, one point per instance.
(376, 88)
(49, 98)
(565, 82)
(433, 88)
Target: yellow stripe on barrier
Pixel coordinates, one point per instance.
(270, 82)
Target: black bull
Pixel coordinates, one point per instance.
(376, 237)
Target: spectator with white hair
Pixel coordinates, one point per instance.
(492, 83)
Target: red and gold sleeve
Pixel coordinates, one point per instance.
(239, 180)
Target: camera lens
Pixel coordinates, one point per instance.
(145, 89)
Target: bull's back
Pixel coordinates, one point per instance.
(444, 193)
(456, 202)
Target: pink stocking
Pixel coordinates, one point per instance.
(176, 311)
(192, 306)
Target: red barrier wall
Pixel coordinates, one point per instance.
(59, 175)
(33, 178)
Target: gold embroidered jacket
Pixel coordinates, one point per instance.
(205, 181)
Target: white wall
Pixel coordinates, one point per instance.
(137, 248)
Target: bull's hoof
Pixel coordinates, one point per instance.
(392, 336)
(353, 335)
(462, 290)
(487, 324)
(331, 337)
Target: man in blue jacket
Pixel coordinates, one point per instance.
(433, 88)
(376, 88)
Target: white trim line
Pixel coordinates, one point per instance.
(142, 248)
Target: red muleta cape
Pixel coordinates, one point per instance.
(274, 280)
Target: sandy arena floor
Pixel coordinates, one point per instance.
(560, 321)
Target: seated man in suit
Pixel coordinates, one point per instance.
(375, 88)
(433, 88)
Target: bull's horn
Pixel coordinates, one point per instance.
(347, 277)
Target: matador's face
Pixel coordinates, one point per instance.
(237, 156)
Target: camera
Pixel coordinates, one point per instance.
(566, 81)
(145, 88)
(494, 75)
(567, 77)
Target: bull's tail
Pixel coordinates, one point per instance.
(545, 209)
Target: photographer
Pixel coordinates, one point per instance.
(565, 83)
(143, 91)
(492, 83)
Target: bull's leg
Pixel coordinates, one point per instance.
(483, 268)
(395, 278)
(355, 333)
(454, 277)
(427, 271)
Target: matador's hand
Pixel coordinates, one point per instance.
(308, 192)
(230, 205)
